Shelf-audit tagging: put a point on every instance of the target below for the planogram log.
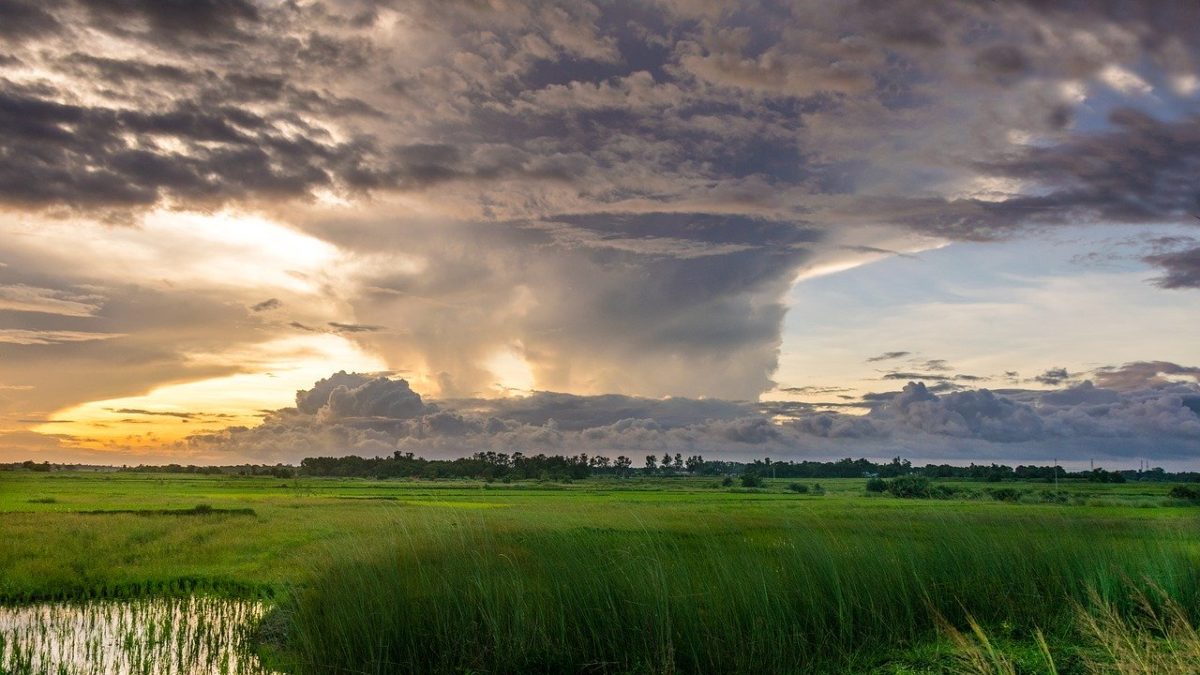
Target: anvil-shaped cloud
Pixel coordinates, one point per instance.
(585, 197)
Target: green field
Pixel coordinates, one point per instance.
(647, 576)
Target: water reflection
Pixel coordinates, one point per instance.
(180, 636)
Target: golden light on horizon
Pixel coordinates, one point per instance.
(175, 411)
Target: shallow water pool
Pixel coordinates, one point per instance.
(172, 636)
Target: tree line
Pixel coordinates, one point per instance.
(499, 465)
(519, 466)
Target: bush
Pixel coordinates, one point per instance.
(876, 485)
(751, 480)
(799, 488)
(946, 492)
(1051, 497)
(817, 489)
(909, 487)
(727, 481)
(1005, 494)
(1186, 493)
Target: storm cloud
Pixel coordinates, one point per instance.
(604, 199)
(536, 110)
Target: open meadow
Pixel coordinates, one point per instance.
(618, 576)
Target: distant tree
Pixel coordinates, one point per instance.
(678, 463)
(651, 464)
(897, 467)
(623, 465)
(695, 463)
(666, 462)
(751, 480)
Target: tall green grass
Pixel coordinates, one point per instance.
(817, 595)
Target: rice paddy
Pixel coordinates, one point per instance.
(598, 576)
(164, 636)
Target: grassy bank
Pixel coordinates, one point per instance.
(467, 595)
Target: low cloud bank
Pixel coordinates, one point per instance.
(351, 413)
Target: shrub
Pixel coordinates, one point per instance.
(876, 485)
(1186, 493)
(945, 492)
(1005, 494)
(799, 488)
(909, 487)
(727, 481)
(751, 480)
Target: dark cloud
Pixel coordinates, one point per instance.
(1053, 376)
(266, 305)
(62, 154)
(379, 397)
(1181, 268)
(21, 20)
(202, 17)
(902, 375)
(1002, 61)
(309, 401)
(521, 109)
(340, 327)
(1142, 170)
(972, 414)
(139, 411)
(352, 395)
(1142, 374)
(814, 389)
(888, 356)
(942, 377)
(170, 413)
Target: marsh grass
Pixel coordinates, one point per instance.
(1156, 638)
(465, 595)
(611, 576)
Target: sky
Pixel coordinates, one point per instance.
(259, 230)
